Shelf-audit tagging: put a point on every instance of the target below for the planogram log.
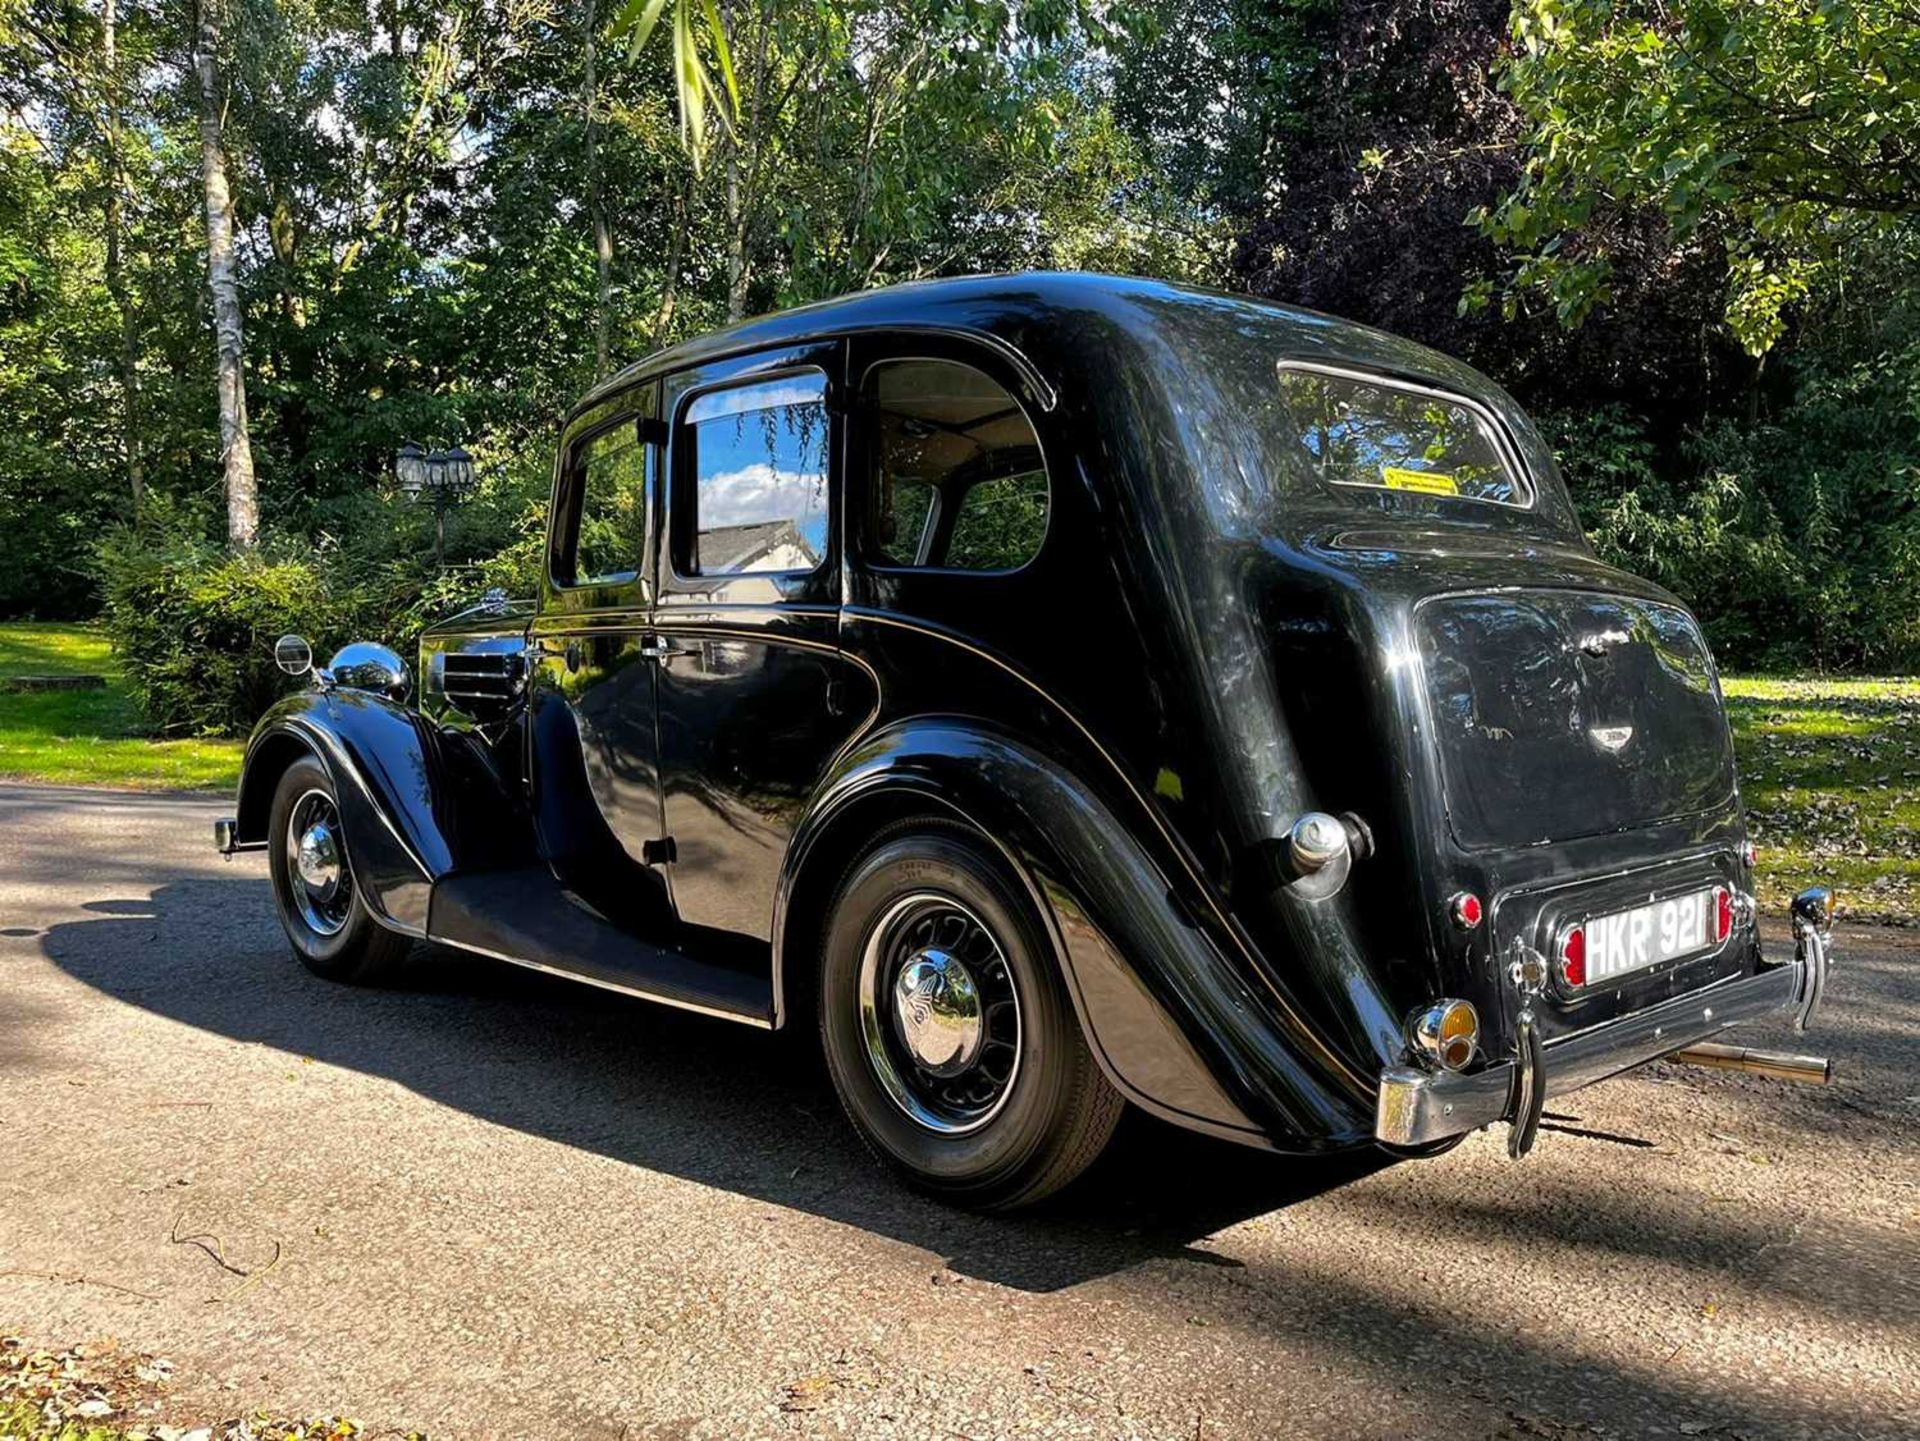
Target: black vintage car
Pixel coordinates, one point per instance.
(1064, 691)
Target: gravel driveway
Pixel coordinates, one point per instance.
(493, 1204)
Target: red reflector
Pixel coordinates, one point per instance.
(1722, 913)
(1466, 910)
(1573, 956)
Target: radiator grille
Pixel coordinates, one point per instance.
(481, 683)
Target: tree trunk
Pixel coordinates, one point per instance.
(676, 253)
(243, 501)
(116, 272)
(740, 167)
(596, 206)
(737, 277)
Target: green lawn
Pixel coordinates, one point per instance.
(91, 737)
(1830, 771)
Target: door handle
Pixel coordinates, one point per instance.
(658, 647)
(569, 653)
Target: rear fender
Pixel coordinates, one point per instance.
(1176, 1022)
(412, 812)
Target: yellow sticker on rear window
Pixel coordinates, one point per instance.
(1427, 482)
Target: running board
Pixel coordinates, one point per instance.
(1815, 1070)
(527, 917)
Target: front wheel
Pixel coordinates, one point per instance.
(947, 1029)
(325, 916)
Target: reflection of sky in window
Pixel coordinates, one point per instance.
(762, 453)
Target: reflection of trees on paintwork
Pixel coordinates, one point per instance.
(1355, 433)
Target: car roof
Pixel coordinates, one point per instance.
(1015, 308)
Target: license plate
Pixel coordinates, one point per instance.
(1627, 941)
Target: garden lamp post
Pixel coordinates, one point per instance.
(446, 476)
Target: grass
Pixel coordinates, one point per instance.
(1830, 772)
(91, 737)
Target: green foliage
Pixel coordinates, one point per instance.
(1784, 127)
(194, 625)
(1795, 536)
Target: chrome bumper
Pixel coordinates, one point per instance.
(1416, 1107)
(226, 838)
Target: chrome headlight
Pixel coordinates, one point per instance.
(366, 665)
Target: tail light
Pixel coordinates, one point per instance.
(1466, 910)
(1573, 956)
(1446, 1034)
(1722, 913)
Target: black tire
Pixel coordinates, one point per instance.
(336, 938)
(1020, 1129)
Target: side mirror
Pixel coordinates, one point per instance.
(293, 655)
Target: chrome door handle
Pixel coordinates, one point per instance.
(569, 653)
(658, 647)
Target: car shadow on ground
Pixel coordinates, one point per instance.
(703, 1099)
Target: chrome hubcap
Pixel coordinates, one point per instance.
(939, 1013)
(318, 858)
(936, 1013)
(318, 881)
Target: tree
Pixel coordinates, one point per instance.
(236, 451)
(1784, 127)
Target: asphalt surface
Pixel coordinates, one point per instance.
(492, 1204)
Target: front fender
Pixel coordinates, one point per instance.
(411, 809)
(1177, 1020)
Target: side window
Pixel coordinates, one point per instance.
(609, 540)
(957, 478)
(1372, 433)
(758, 474)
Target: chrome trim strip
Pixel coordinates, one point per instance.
(1415, 1107)
(1339, 1064)
(761, 1023)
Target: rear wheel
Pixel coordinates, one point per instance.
(947, 1029)
(320, 905)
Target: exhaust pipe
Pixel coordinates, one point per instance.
(1815, 1070)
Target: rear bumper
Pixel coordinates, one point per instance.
(1416, 1107)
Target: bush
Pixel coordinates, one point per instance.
(1795, 540)
(194, 625)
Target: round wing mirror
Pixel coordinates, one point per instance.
(367, 666)
(293, 655)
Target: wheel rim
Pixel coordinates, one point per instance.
(939, 1013)
(318, 881)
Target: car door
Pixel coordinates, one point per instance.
(754, 695)
(593, 759)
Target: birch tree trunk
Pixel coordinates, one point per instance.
(116, 271)
(596, 205)
(243, 501)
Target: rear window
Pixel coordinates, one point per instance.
(1359, 431)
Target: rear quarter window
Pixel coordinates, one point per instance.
(1355, 430)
